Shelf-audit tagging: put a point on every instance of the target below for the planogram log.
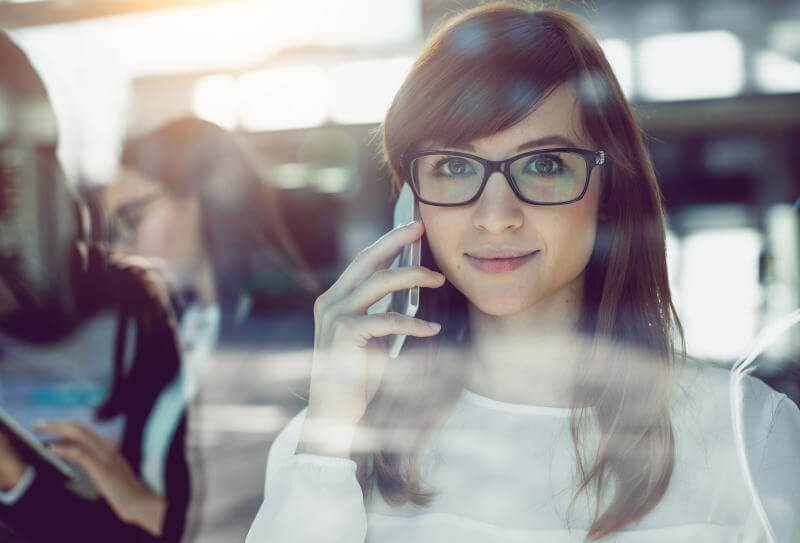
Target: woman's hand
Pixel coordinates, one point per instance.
(12, 467)
(345, 374)
(127, 495)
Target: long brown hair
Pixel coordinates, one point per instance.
(186, 155)
(483, 72)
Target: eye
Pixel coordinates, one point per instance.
(124, 227)
(454, 166)
(543, 165)
(130, 217)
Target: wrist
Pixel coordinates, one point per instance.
(327, 436)
(334, 411)
(11, 471)
(147, 511)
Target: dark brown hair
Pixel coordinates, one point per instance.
(240, 216)
(483, 72)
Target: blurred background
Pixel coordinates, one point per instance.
(715, 84)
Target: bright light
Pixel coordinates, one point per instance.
(720, 291)
(673, 270)
(355, 22)
(291, 175)
(215, 100)
(777, 73)
(673, 249)
(239, 33)
(304, 96)
(89, 65)
(332, 179)
(283, 98)
(783, 277)
(98, 164)
(256, 419)
(361, 92)
(784, 36)
(619, 55)
(691, 66)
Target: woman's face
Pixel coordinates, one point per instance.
(153, 224)
(557, 241)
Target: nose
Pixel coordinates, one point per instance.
(498, 209)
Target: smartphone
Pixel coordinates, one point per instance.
(406, 301)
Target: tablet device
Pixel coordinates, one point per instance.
(32, 450)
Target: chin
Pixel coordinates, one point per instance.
(498, 304)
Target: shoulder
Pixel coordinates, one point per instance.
(759, 428)
(709, 383)
(141, 292)
(148, 282)
(710, 397)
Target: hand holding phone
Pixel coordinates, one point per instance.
(347, 369)
(405, 301)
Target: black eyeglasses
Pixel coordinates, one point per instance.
(542, 177)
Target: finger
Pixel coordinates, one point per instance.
(79, 455)
(377, 256)
(76, 432)
(361, 329)
(382, 282)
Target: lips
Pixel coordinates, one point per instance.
(499, 261)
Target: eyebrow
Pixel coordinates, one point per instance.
(133, 205)
(531, 144)
(547, 140)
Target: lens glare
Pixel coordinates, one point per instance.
(447, 179)
(550, 177)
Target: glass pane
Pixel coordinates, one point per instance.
(447, 178)
(550, 177)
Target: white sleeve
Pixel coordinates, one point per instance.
(12, 495)
(776, 474)
(308, 498)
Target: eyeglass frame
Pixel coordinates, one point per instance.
(592, 158)
(121, 213)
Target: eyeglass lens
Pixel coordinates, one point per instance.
(550, 177)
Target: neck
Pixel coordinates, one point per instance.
(204, 284)
(529, 357)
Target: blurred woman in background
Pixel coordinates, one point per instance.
(74, 319)
(191, 198)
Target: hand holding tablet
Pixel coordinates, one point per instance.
(18, 445)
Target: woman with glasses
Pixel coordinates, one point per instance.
(543, 394)
(191, 200)
(88, 342)
(191, 197)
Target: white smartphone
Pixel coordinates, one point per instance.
(406, 301)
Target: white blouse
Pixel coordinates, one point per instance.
(507, 472)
